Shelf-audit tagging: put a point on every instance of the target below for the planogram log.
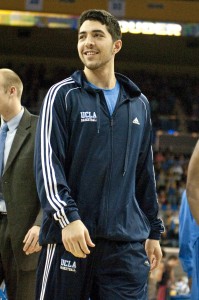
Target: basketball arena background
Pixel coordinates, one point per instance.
(160, 53)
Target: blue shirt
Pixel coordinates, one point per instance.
(111, 95)
(12, 128)
(188, 234)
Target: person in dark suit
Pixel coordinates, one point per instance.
(20, 211)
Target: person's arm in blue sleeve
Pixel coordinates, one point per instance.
(50, 157)
(50, 160)
(185, 232)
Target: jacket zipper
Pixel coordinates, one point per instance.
(110, 173)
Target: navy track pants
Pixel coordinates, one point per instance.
(113, 271)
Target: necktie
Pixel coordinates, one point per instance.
(3, 134)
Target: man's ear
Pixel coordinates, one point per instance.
(117, 46)
(12, 90)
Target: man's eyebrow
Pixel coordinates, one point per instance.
(94, 31)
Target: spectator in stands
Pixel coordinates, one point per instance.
(172, 192)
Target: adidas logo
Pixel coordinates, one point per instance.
(136, 121)
(146, 263)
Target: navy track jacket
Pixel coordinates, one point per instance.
(96, 167)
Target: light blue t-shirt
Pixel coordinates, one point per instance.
(110, 95)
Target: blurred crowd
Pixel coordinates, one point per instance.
(174, 99)
(171, 172)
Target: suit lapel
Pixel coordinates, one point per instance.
(19, 138)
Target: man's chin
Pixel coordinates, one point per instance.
(91, 65)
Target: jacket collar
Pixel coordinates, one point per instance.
(129, 89)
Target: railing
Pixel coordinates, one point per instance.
(175, 141)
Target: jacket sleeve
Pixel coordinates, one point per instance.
(185, 233)
(145, 180)
(192, 186)
(38, 220)
(50, 159)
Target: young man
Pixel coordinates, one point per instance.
(95, 178)
(20, 214)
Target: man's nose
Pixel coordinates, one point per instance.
(89, 42)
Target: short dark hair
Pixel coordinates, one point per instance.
(105, 18)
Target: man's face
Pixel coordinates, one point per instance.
(95, 45)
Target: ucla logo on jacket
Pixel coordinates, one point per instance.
(87, 116)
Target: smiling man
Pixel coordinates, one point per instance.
(95, 178)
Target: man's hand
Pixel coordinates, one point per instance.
(30, 241)
(153, 252)
(76, 239)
